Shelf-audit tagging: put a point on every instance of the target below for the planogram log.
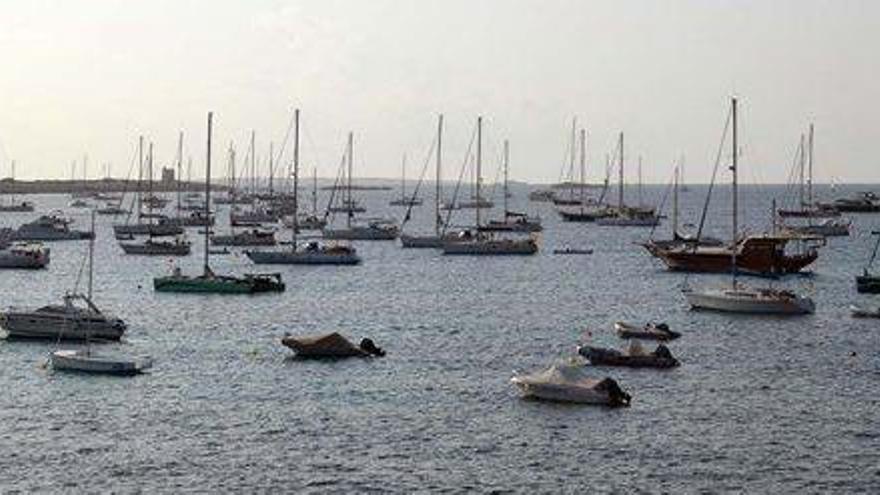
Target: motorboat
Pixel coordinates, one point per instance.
(306, 222)
(633, 357)
(24, 255)
(514, 222)
(47, 228)
(22, 207)
(481, 244)
(651, 331)
(568, 382)
(152, 229)
(740, 299)
(89, 361)
(331, 345)
(373, 230)
(69, 320)
(827, 228)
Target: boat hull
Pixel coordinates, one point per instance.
(421, 242)
(303, 258)
(501, 247)
(361, 234)
(868, 284)
(86, 362)
(19, 325)
(147, 229)
(156, 249)
(216, 285)
(730, 302)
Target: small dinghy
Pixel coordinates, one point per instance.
(634, 357)
(331, 345)
(87, 361)
(651, 331)
(858, 312)
(568, 382)
(569, 250)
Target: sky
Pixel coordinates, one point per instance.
(87, 77)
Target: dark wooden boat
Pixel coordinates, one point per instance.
(756, 255)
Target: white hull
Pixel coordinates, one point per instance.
(89, 362)
(628, 222)
(563, 393)
(749, 301)
(361, 234)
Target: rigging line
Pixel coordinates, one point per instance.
(131, 166)
(789, 189)
(467, 157)
(415, 194)
(329, 211)
(663, 202)
(714, 174)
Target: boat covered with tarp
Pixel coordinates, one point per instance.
(569, 382)
(330, 345)
(650, 331)
(635, 356)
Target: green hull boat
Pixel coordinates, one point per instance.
(249, 284)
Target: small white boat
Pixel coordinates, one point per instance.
(88, 361)
(568, 383)
(858, 312)
(747, 300)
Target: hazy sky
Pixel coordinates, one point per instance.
(89, 76)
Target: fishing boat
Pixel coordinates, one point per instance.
(331, 345)
(742, 299)
(479, 242)
(77, 318)
(14, 206)
(568, 382)
(208, 281)
(633, 357)
(650, 331)
(30, 255)
(313, 253)
(869, 282)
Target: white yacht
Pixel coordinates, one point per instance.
(748, 300)
(50, 227)
(68, 320)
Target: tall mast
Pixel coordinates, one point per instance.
(315, 191)
(12, 176)
(150, 171)
(349, 206)
(675, 180)
(91, 256)
(506, 172)
(295, 179)
(479, 164)
(208, 190)
(583, 167)
(620, 179)
(810, 161)
(140, 185)
(271, 169)
(253, 163)
(403, 178)
(437, 188)
(179, 168)
(235, 196)
(733, 169)
(640, 180)
(801, 166)
(572, 156)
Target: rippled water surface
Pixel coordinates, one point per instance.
(760, 404)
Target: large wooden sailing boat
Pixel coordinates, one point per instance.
(208, 282)
(762, 255)
(313, 253)
(739, 298)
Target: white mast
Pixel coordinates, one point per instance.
(620, 179)
(810, 161)
(733, 169)
(506, 165)
(479, 163)
(349, 206)
(583, 167)
(438, 189)
(208, 191)
(295, 180)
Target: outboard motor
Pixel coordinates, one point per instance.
(618, 396)
(369, 347)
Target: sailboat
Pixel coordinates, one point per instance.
(869, 282)
(478, 242)
(208, 282)
(252, 237)
(157, 229)
(373, 229)
(76, 319)
(569, 183)
(312, 253)
(513, 221)
(404, 200)
(830, 226)
(311, 220)
(434, 240)
(87, 360)
(627, 216)
(13, 207)
(153, 247)
(585, 212)
(739, 298)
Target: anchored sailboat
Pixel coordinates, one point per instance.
(13, 207)
(208, 282)
(627, 216)
(739, 298)
(313, 253)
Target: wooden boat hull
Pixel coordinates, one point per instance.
(757, 256)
